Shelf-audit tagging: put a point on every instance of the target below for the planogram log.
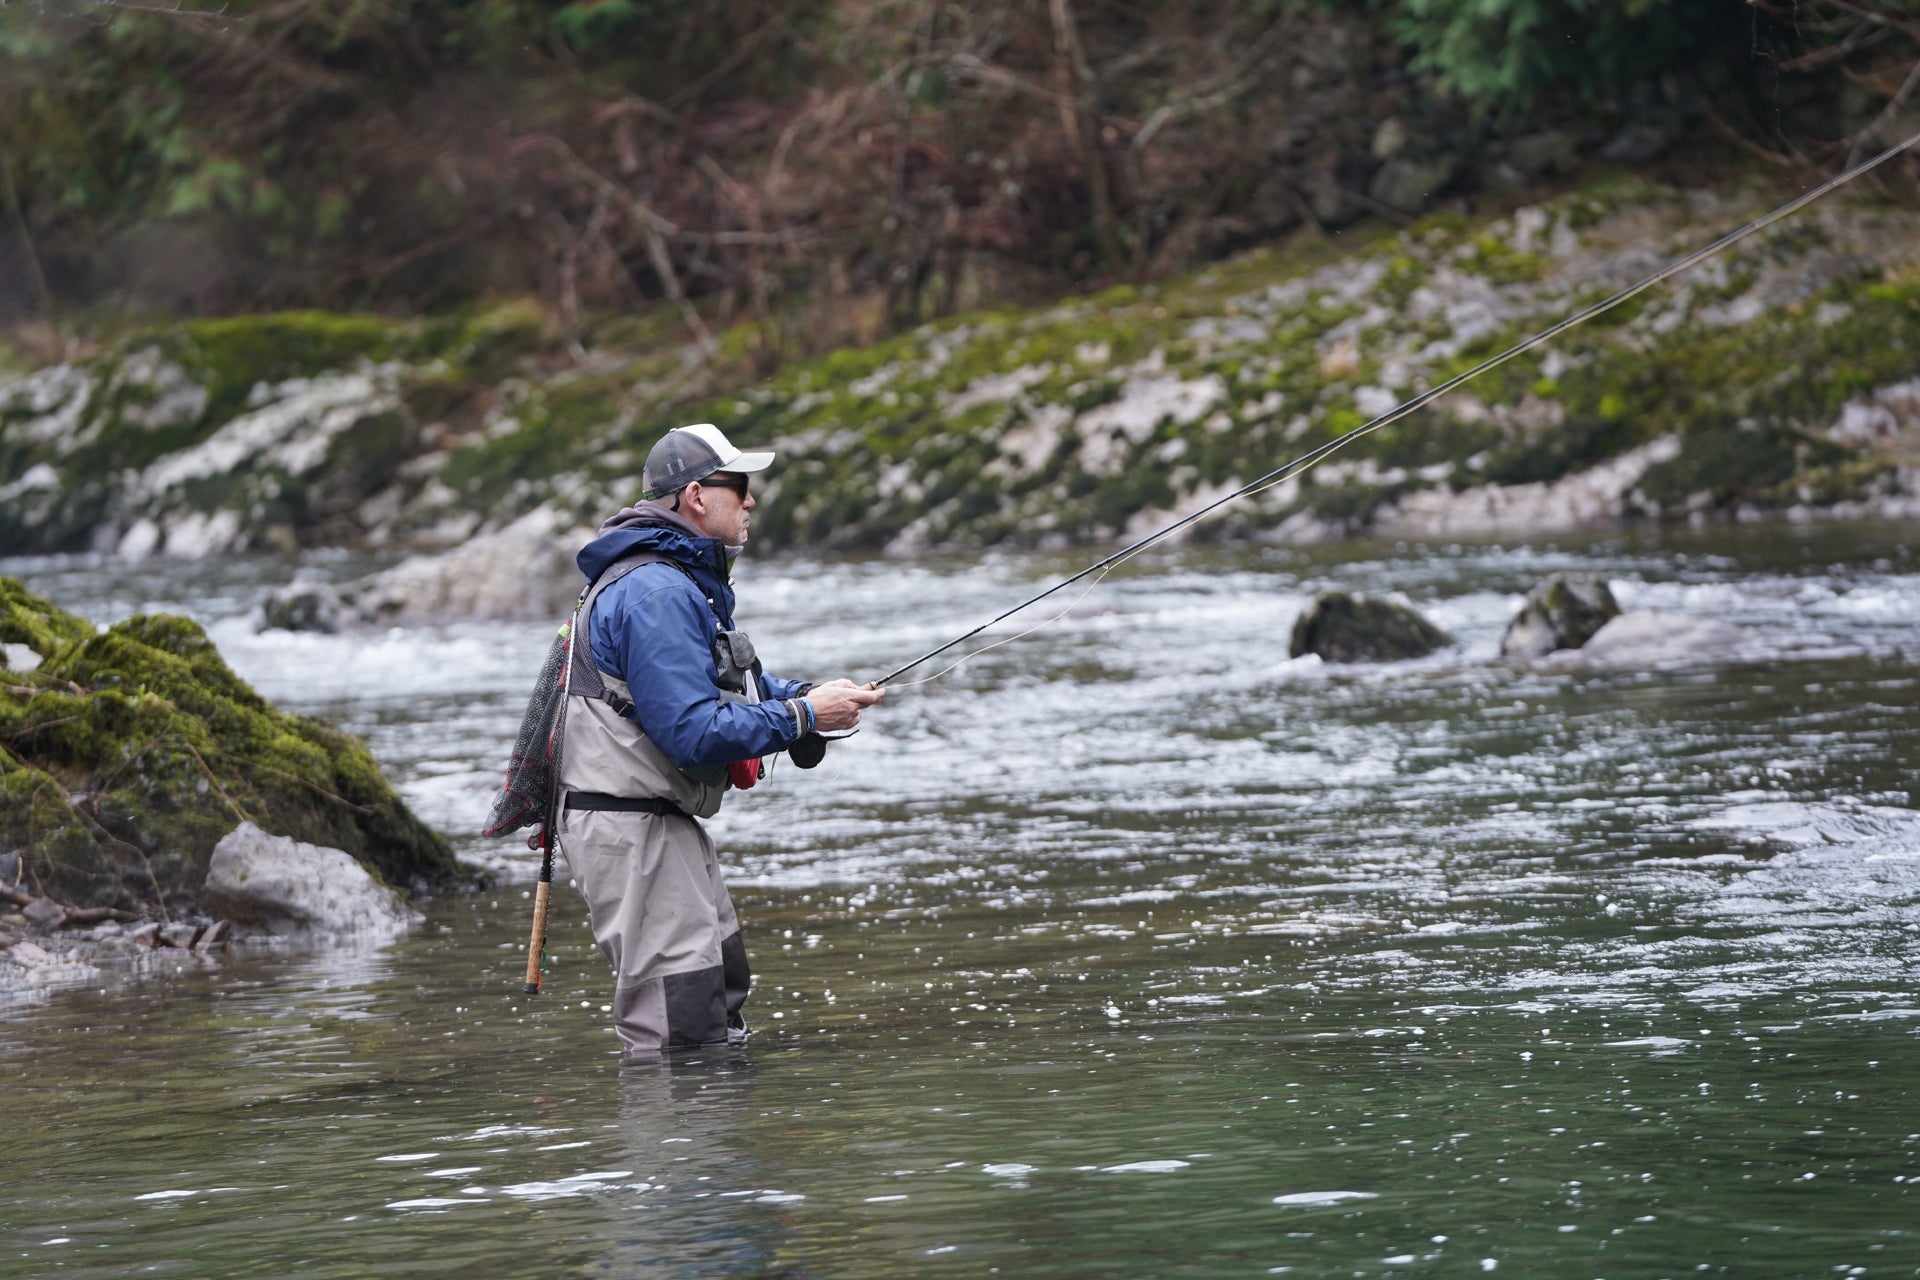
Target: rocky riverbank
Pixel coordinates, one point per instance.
(139, 777)
(1781, 377)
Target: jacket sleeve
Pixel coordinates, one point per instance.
(780, 690)
(658, 639)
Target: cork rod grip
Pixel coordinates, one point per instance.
(537, 944)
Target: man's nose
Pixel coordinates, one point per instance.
(747, 503)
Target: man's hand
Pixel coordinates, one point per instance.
(837, 704)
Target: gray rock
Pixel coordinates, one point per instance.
(1550, 151)
(1340, 627)
(145, 935)
(304, 606)
(179, 935)
(525, 570)
(282, 886)
(1646, 637)
(43, 914)
(29, 955)
(1563, 611)
(1644, 140)
(1390, 139)
(1410, 184)
(214, 936)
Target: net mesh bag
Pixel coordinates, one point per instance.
(533, 770)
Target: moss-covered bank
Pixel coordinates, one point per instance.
(1781, 374)
(127, 753)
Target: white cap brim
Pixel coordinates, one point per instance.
(749, 462)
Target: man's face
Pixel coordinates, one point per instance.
(722, 506)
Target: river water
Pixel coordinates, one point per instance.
(1128, 948)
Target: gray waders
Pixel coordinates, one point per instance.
(662, 916)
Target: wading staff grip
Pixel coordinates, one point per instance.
(537, 942)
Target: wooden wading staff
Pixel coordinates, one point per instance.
(555, 745)
(537, 944)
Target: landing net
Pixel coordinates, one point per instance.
(533, 770)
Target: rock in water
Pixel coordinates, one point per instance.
(133, 750)
(525, 570)
(1647, 638)
(1562, 612)
(1341, 627)
(303, 606)
(281, 886)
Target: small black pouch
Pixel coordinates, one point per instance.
(733, 658)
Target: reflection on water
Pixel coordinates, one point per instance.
(1129, 948)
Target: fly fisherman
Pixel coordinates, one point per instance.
(672, 710)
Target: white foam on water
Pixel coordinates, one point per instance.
(509, 1131)
(1149, 1166)
(1662, 1046)
(1311, 1199)
(579, 1184)
(1009, 1170)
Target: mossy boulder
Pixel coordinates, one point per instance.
(129, 751)
(1562, 611)
(1342, 627)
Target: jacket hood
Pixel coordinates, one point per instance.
(651, 526)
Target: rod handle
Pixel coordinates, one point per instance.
(537, 943)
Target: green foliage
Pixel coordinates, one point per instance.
(1499, 56)
(128, 753)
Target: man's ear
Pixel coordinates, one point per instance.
(693, 503)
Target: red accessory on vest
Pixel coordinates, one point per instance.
(744, 773)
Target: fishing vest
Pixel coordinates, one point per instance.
(606, 750)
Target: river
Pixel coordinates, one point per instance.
(1128, 948)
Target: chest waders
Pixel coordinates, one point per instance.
(531, 795)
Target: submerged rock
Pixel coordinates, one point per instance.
(279, 885)
(1563, 611)
(1340, 627)
(1647, 637)
(132, 751)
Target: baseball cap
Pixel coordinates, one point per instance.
(687, 454)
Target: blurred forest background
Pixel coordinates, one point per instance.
(830, 171)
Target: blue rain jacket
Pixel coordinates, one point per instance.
(654, 629)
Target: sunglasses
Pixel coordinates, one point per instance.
(737, 483)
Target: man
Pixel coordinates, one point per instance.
(667, 708)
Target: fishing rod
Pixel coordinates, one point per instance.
(1288, 471)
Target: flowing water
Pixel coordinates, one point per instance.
(1128, 948)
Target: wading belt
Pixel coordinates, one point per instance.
(601, 802)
